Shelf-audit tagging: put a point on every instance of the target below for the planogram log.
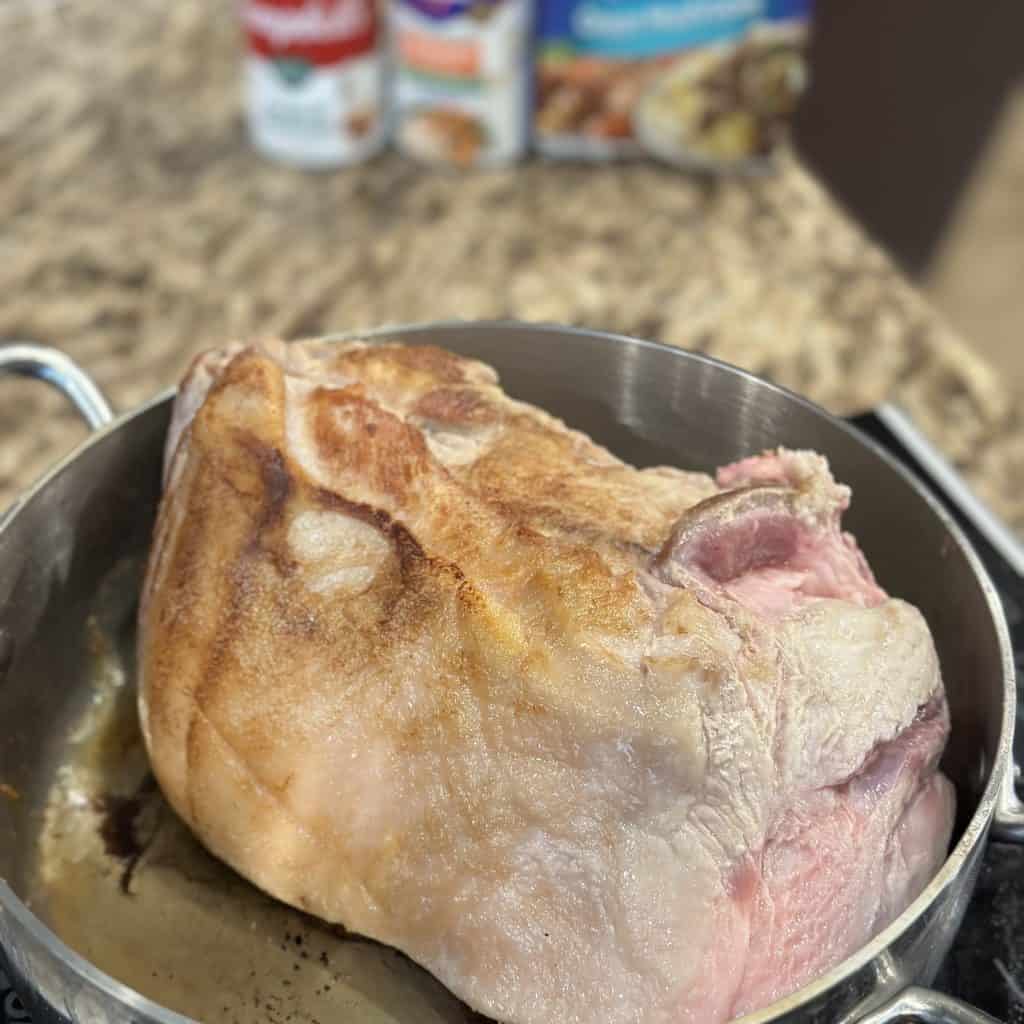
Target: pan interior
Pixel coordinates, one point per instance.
(122, 881)
(89, 842)
(90, 845)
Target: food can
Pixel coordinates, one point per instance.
(708, 84)
(462, 80)
(314, 80)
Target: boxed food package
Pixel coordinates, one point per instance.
(710, 84)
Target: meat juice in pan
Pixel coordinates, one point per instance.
(123, 882)
(709, 83)
(461, 80)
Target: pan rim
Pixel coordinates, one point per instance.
(947, 875)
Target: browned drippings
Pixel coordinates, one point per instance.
(121, 828)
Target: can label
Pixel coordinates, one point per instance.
(462, 79)
(711, 80)
(314, 79)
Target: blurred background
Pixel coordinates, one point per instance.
(880, 257)
(139, 224)
(915, 118)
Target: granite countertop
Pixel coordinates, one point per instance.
(138, 227)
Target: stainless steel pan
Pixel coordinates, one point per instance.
(109, 912)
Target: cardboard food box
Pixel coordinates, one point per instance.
(707, 83)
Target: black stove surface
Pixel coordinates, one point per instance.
(12, 1009)
(985, 967)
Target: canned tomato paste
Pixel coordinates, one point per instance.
(314, 80)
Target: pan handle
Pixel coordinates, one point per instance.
(50, 364)
(1008, 821)
(923, 1006)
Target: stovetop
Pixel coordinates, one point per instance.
(12, 1009)
(986, 964)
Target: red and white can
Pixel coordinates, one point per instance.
(314, 79)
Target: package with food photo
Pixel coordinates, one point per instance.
(461, 80)
(701, 83)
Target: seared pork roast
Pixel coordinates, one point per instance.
(590, 743)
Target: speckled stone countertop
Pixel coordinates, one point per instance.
(137, 226)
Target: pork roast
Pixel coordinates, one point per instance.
(590, 743)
